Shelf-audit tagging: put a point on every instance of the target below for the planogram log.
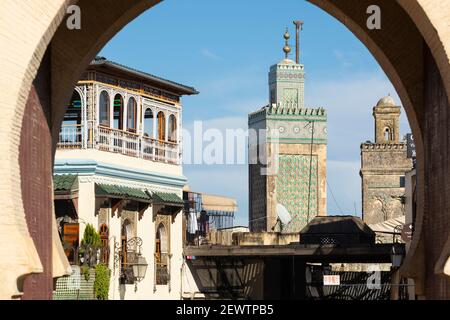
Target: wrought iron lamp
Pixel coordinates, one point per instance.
(396, 256)
(136, 262)
(139, 269)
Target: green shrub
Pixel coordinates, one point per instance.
(101, 283)
(91, 237)
(85, 270)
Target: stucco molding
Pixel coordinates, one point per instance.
(87, 167)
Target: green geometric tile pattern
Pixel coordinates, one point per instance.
(122, 192)
(75, 286)
(168, 198)
(292, 184)
(63, 182)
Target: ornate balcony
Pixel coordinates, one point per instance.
(70, 137)
(119, 141)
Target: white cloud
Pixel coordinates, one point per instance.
(231, 86)
(349, 104)
(345, 58)
(211, 55)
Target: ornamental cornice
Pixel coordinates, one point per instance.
(384, 146)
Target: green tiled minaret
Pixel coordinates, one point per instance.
(287, 81)
(297, 138)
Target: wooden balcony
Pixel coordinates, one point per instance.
(123, 142)
(70, 137)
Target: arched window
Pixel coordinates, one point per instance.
(172, 128)
(125, 235)
(70, 135)
(104, 237)
(131, 115)
(161, 255)
(387, 135)
(161, 239)
(148, 123)
(104, 109)
(161, 126)
(73, 113)
(118, 112)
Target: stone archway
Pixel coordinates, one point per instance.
(411, 48)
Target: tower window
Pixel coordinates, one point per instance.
(402, 182)
(387, 134)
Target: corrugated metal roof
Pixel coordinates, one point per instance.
(354, 287)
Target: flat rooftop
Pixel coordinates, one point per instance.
(363, 253)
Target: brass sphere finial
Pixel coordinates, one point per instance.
(286, 35)
(286, 50)
(286, 47)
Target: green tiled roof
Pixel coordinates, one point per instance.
(169, 198)
(122, 192)
(63, 182)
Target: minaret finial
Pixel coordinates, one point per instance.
(298, 26)
(286, 47)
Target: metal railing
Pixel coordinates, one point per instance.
(161, 151)
(123, 142)
(131, 144)
(118, 141)
(70, 136)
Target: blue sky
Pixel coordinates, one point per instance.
(225, 48)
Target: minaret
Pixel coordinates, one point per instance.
(383, 166)
(387, 121)
(295, 141)
(286, 80)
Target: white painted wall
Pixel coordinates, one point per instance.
(119, 160)
(145, 230)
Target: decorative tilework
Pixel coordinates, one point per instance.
(75, 286)
(292, 184)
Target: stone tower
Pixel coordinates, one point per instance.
(387, 121)
(383, 166)
(287, 84)
(295, 144)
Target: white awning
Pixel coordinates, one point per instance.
(218, 203)
(388, 225)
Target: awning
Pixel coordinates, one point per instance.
(218, 203)
(122, 192)
(388, 226)
(63, 182)
(167, 199)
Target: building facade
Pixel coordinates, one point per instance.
(118, 162)
(287, 154)
(206, 215)
(383, 166)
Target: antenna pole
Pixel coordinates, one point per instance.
(298, 26)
